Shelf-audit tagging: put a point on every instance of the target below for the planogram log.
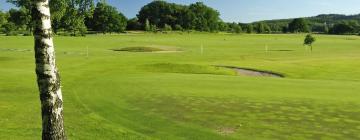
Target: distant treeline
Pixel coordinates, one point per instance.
(78, 17)
(327, 24)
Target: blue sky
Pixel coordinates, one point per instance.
(250, 10)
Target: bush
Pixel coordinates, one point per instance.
(27, 34)
(167, 27)
(341, 29)
(9, 29)
(309, 40)
(178, 27)
(153, 28)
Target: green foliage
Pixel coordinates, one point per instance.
(319, 24)
(203, 18)
(223, 27)
(9, 28)
(58, 10)
(349, 27)
(267, 28)
(262, 28)
(249, 28)
(160, 13)
(167, 27)
(153, 28)
(326, 29)
(285, 29)
(20, 18)
(299, 25)
(195, 16)
(178, 27)
(27, 4)
(3, 18)
(107, 19)
(133, 24)
(234, 28)
(147, 25)
(309, 40)
(73, 22)
(85, 7)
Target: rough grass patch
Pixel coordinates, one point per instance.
(188, 68)
(139, 49)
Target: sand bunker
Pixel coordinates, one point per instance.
(254, 72)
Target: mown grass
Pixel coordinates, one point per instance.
(123, 95)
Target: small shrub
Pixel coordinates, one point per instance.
(309, 40)
(167, 27)
(27, 34)
(9, 29)
(153, 28)
(178, 27)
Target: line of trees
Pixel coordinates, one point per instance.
(327, 24)
(69, 17)
(78, 17)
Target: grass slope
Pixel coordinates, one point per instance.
(124, 95)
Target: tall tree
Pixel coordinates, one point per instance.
(73, 22)
(3, 18)
(25, 10)
(20, 18)
(260, 28)
(58, 10)
(342, 28)
(196, 16)
(133, 24)
(204, 18)
(309, 40)
(158, 13)
(85, 6)
(47, 74)
(21, 3)
(107, 19)
(249, 28)
(234, 28)
(299, 25)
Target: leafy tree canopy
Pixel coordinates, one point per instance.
(299, 25)
(107, 19)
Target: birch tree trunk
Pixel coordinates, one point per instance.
(47, 74)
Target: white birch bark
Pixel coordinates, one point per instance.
(47, 74)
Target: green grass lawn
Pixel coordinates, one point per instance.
(180, 95)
